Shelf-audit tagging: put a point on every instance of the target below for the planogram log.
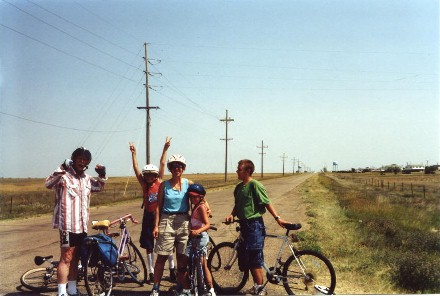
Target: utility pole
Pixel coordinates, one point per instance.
(262, 153)
(293, 171)
(226, 120)
(284, 158)
(147, 106)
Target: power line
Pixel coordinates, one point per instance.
(70, 35)
(82, 28)
(66, 127)
(66, 53)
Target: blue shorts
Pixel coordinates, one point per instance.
(201, 244)
(250, 252)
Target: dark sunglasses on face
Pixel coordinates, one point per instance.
(176, 166)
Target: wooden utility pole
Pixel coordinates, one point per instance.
(147, 107)
(262, 153)
(226, 120)
(284, 158)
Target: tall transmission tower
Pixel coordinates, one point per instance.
(226, 120)
(262, 153)
(284, 159)
(147, 106)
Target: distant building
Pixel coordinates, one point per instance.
(410, 168)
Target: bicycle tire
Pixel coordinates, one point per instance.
(135, 264)
(226, 281)
(211, 245)
(98, 277)
(320, 275)
(37, 280)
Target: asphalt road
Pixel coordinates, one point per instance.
(22, 239)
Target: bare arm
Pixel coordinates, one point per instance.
(274, 214)
(158, 210)
(163, 158)
(135, 163)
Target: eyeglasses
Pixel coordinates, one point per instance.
(176, 165)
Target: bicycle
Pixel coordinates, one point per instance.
(196, 272)
(44, 279)
(130, 265)
(304, 271)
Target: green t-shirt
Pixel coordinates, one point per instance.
(250, 200)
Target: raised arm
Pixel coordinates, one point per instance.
(135, 163)
(163, 158)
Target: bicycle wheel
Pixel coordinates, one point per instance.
(311, 273)
(223, 264)
(98, 277)
(40, 279)
(134, 264)
(211, 245)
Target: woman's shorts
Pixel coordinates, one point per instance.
(173, 232)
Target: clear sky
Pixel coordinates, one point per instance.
(352, 81)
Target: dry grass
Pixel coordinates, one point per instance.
(370, 236)
(28, 197)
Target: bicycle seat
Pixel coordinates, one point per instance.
(100, 225)
(292, 226)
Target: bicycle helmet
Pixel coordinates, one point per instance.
(196, 189)
(176, 158)
(81, 151)
(150, 169)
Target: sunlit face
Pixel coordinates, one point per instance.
(176, 168)
(195, 199)
(80, 164)
(241, 172)
(149, 178)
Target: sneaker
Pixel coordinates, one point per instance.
(154, 292)
(212, 292)
(172, 275)
(151, 278)
(250, 291)
(261, 291)
(76, 294)
(185, 292)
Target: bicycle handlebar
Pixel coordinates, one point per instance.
(287, 225)
(127, 217)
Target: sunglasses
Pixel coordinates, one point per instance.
(176, 166)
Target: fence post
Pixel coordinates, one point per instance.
(10, 208)
(424, 190)
(412, 191)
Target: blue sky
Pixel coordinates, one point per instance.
(320, 81)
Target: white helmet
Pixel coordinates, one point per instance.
(176, 158)
(150, 169)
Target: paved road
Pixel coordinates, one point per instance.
(21, 240)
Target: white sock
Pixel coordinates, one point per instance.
(62, 289)
(150, 258)
(171, 261)
(71, 287)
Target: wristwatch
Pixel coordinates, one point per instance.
(277, 218)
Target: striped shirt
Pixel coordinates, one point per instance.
(72, 199)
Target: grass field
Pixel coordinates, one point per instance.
(28, 197)
(380, 241)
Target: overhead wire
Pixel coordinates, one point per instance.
(70, 35)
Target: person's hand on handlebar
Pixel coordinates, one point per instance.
(229, 219)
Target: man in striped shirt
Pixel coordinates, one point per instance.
(73, 188)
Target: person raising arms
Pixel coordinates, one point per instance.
(150, 178)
